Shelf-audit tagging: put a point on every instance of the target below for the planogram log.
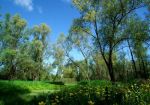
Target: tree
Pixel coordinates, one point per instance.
(104, 21)
(12, 32)
(20, 56)
(80, 41)
(99, 67)
(58, 56)
(138, 33)
(38, 46)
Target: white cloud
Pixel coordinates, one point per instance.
(27, 4)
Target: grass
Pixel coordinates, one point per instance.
(99, 93)
(32, 92)
(31, 85)
(21, 92)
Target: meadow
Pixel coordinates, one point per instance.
(97, 92)
(21, 92)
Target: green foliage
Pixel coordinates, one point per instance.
(12, 92)
(20, 57)
(95, 94)
(58, 83)
(106, 22)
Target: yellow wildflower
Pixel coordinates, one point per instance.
(86, 94)
(56, 100)
(90, 102)
(98, 93)
(71, 94)
(54, 103)
(41, 103)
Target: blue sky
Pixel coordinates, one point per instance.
(58, 14)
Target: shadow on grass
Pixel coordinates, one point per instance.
(11, 94)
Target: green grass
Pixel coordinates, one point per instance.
(32, 92)
(21, 92)
(100, 92)
(95, 83)
(31, 85)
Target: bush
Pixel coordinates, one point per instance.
(83, 83)
(57, 83)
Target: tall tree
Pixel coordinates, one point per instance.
(39, 45)
(12, 32)
(138, 32)
(58, 56)
(80, 41)
(106, 20)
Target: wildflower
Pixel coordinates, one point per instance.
(71, 94)
(56, 100)
(80, 91)
(86, 94)
(90, 102)
(90, 88)
(41, 103)
(118, 85)
(129, 91)
(54, 103)
(115, 104)
(147, 86)
(98, 93)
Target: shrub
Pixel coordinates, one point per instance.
(57, 83)
(83, 83)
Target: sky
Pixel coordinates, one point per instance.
(58, 14)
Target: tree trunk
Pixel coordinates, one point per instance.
(111, 70)
(145, 74)
(133, 61)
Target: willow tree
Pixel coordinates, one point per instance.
(81, 42)
(38, 46)
(12, 34)
(104, 20)
(58, 54)
(138, 33)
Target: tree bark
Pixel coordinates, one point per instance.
(145, 74)
(133, 61)
(110, 67)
